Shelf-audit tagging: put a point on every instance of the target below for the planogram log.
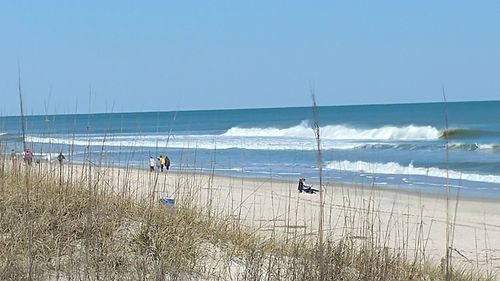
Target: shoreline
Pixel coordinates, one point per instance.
(398, 181)
(375, 187)
(379, 187)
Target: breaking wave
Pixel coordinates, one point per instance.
(186, 142)
(202, 142)
(251, 143)
(491, 146)
(397, 169)
(341, 132)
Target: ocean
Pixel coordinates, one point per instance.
(394, 146)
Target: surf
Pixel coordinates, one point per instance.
(341, 132)
(394, 168)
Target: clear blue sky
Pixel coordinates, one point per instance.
(181, 55)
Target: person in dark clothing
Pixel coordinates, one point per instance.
(305, 188)
(167, 162)
(301, 185)
(61, 158)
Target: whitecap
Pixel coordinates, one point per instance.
(341, 132)
(396, 168)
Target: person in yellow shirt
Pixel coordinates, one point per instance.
(162, 163)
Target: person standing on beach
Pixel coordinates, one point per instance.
(61, 158)
(151, 164)
(28, 156)
(167, 162)
(13, 157)
(162, 163)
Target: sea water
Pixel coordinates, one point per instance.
(401, 146)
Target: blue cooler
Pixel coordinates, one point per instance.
(168, 202)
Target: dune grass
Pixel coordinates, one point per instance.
(77, 227)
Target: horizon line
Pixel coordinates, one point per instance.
(251, 108)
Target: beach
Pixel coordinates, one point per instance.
(412, 223)
(250, 140)
(361, 144)
(385, 178)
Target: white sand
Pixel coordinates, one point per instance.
(397, 219)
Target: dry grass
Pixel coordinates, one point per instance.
(54, 228)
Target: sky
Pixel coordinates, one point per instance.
(123, 56)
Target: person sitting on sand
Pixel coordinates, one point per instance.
(305, 188)
(301, 185)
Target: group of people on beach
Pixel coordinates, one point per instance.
(162, 162)
(28, 157)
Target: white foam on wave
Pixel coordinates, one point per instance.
(463, 146)
(341, 132)
(475, 146)
(299, 137)
(247, 142)
(490, 146)
(45, 156)
(397, 169)
(183, 142)
(202, 142)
